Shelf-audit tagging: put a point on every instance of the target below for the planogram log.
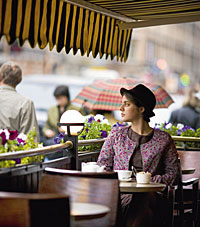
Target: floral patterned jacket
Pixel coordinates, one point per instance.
(159, 155)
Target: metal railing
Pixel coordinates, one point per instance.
(185, 139)
(69, 145)
(36, 151)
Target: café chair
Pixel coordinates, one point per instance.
(186, 207)
(100, 188)
(170, 193)
(34, 210)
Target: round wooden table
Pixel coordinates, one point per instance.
(86, 211)
(132, 186)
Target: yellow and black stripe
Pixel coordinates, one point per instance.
(150, 9)
(63, 25)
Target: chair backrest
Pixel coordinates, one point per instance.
(190, 159)
(34, 210)
(183, 193)
(83, 188)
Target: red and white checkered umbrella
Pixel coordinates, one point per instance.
(105, 94)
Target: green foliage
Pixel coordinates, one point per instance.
(181, 130)
(94, 130)
(14, 145)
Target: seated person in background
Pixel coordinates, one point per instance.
(16, 111)
(146, 149)
(51, 129)
(189, 113)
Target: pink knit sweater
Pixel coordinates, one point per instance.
(159, 155)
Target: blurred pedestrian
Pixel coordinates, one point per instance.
(17, 112)
(189, 113)
(51, 129)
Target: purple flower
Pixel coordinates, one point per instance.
(13, 134)
(17, 160)
(87, 130)
(61, 135)
(91, 119)
(186, 127)
(3, 138)
(165, 124)
(84, 136)
(19, 140)
(104, 134)
(118, 125)
(179, 132)
(58, 138)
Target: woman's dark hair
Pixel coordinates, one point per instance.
(62, 90)
(133, 99)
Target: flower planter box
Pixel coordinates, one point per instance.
(26, 178)
(187, 143)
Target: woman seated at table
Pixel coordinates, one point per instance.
(143, 147)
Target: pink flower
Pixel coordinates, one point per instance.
(13, 134)
(3, 138)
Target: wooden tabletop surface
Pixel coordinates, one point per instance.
(86, 211)
(132, 186)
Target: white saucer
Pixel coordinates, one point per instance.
(126, 180)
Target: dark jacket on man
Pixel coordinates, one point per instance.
(186, 115)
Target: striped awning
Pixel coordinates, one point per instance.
(63, 25)
(152, 12)
(101, 27)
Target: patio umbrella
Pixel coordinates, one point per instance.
(105, 94)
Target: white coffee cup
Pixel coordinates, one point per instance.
(143, 178)
(123, 174)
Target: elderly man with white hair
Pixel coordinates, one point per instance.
(16, 111)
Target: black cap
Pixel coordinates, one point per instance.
(144, 95)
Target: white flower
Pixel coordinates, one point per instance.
(105, 121)
(180, 126)
(99, 117)
(7, 133)
(22, 136)
(168, 126)
(40, 145)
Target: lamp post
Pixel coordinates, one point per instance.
(72, 123)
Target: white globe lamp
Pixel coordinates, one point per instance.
(71, 117)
